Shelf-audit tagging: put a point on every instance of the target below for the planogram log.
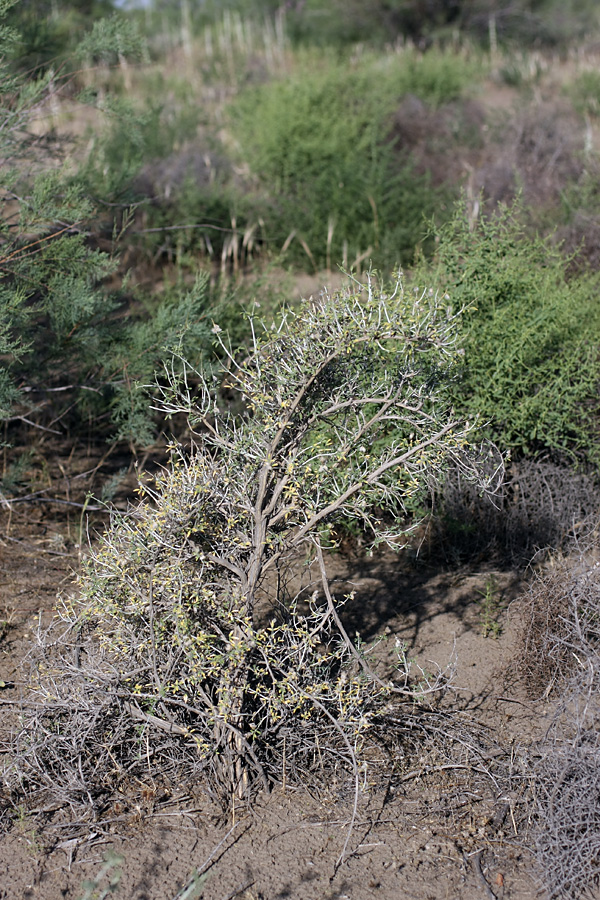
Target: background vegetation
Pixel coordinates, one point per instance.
(196, 143)
(160, 162)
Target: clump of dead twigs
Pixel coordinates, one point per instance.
(540, 506)
(561, 617)
(561, 661)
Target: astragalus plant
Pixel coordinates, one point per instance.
(190, 648)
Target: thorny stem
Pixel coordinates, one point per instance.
(311, 526)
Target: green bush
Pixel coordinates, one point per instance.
(437, 76)
(532, 361)
(69, 346)
(47, 33)
(318, 145)
(585, 93)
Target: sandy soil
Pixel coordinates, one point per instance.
(432, 834)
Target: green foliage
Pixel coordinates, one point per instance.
(68, 345)
(49, 280)
(532, 365)
(585, 92)
(437, 76)
(177, 322)
(318, 144)
(105, 347)
(111, 40)
(47, 33)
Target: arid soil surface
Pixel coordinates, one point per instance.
(433, 830)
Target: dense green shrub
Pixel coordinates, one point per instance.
(47, 33)
(68, 345)
(328, 174)
(532, 361)
(318, 144)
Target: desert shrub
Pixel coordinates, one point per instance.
(318, 143)
(561, 659)
(535, 152)
(567, 837)
(539, 507)
(531, 336)
(561, 638)
(446, 143)
(541, 154)
(188, 651)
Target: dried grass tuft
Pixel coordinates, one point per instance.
(561, 658)
(540, 507)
